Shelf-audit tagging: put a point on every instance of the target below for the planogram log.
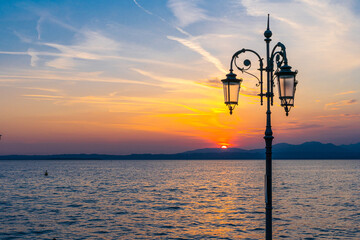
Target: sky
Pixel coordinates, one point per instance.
(140, 76)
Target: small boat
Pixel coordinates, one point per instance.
(46, 173)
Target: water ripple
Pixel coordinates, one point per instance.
(177, 200)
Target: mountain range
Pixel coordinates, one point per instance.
(307, 150)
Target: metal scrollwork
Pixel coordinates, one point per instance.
(279, 59)
(247, 65)
(280, 55)
(245, 68)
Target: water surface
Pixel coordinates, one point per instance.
(178, 199)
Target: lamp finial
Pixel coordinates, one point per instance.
(268, 33)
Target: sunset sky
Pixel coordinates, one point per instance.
(142, 76)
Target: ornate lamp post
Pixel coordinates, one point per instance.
(286, 80)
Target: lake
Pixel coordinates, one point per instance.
(178, 199)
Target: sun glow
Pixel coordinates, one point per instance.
(224, 147)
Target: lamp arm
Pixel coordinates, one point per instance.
(236, 55)
(247, 65)
(280, 53)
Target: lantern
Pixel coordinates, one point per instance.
(231, 90)
(287, 86)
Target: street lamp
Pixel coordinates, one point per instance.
(231, 90)
(287, 86)
(286, 80)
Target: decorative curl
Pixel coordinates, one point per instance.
(247, 66)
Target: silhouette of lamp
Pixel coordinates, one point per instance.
(276, 67)
(287, 86)
(231, 87)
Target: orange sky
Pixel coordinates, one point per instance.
(145, 77)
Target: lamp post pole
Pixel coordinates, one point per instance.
(268, 136)
(287, 86)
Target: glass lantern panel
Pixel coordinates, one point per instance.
(286, 86)
(225, 86)
(231, 92)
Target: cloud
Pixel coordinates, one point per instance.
(38, 26)
(87, 45)
(61, 63)
(22, 37)
(96, 57)
(173, 82)
(90, 45)
(46, 15)
(259, 8)
(299, 126)
(162, 19)
(324, 28)
(249, 92)
(34, 57)
(336, 117)
(42, 96)
(304, 126)
(345, 93)
(196, 47)
(187, 11)
(216, 83)
(337, 105)
(141, 7)
(70, 76)
(42, 89)
(146, 105)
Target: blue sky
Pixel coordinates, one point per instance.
(144, 76)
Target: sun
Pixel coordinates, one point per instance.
(224, 147)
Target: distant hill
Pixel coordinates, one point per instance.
(307, 150)
(352, 147)
(308, 147)
(316, 150)
(216, 150)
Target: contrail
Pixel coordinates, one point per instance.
(163, 20)
(187, 42)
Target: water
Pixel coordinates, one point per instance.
(177, 199)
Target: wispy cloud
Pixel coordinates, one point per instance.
(46, 15)
(61, 63)
(196, 47)
(42, 96)
(42, 89)
(38, 26)
(300, 126)
(327, 28)
(216, 83)
(337, 105)
(70, 76)
(144, 9)
(90, 46)
(34, 57)
(335, 117)
(259, 8)
(35, 54)
(187, 11)
(345, 93)
(162, 19)
(173, 81)
(128, 104)
(87, 45)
